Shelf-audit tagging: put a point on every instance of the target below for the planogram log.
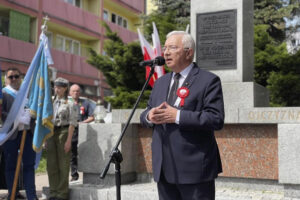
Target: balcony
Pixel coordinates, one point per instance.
(136, 4)
(16, 50)
(33, 4)
(68, 13)
(74, 64)
(125, 34)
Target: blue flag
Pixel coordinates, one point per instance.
(41, 56)
(40, 103)
(12, 119)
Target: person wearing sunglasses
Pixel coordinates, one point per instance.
(12, 145)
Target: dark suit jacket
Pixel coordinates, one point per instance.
(188, 152)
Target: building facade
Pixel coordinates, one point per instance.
(74, 26)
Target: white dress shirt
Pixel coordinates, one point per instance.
(183, 74)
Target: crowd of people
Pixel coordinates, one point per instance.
(61, 147)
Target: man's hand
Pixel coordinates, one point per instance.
(67, 146)
(162, 114)
(25, 116)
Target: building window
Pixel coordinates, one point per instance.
(107, 92)
(50, 38)
(76, 3)
(76, 47)
(89, 90)
(4, 21)
(119, 20)
(124, 23)
(59, 43)
(67, 45)
(105, 15)
(113, 18)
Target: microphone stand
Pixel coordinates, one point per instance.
(115, 155)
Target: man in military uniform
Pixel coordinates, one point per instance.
(85, 110)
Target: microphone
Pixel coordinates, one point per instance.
(159, 60)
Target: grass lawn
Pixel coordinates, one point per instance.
(43, 162)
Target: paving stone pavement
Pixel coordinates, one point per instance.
(222, 192)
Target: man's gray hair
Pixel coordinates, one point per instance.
(187, 40)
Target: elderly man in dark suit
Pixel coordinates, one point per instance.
(185, 108)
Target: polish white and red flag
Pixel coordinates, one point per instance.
(160, 71)
(150, 53)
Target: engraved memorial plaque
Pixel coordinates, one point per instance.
(216, 40)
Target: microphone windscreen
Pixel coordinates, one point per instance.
(160, 60)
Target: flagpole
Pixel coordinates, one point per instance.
(13, 193)
(17, 172)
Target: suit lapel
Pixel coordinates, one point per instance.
(165, 87)
(190, 79)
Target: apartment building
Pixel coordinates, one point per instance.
(74, 27)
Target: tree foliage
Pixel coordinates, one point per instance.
(120, 62)
(120, 66)
(275, 68)
(275, 13)
(170, 15)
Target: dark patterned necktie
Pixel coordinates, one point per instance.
(172, 95)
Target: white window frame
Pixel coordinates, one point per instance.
(64, 38)
(50, 38)
(108, 15)
(125, 19)
(74, 3)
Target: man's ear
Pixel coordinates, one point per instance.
(189, 53)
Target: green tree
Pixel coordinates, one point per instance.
(170, 15)
(274, 14)
(120, 66)
(275, 68)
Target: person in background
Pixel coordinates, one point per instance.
(85, 110)
(59, 145)
(11, 146)
(185, 108)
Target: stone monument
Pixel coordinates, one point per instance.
(223, 31)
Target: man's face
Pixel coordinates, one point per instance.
(174, 53)
(13, 79)
(75, 92)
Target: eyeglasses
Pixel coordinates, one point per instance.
(13, 77)
(171, 48)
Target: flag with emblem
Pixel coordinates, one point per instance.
(40, 98)
(12, 120)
